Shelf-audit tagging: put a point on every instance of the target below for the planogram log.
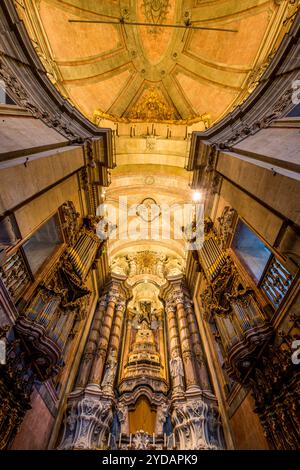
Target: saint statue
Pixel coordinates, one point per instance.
(131, 259)
(160, 265)
(145, 312)
(161, 417)
(109, 374)
(176, 368)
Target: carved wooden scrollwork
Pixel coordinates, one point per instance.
(274, 383)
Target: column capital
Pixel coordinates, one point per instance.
(113, 295)
(178, 297)
(170, 307)
(188, 303)
(121, 305)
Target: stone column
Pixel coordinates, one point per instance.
(173, 329)
(91, 345)
(114, 345)
(127, 341)
(201, 367)
(99, 360)
(175, 350)
(187, 352)
(116, 332)
(161, 340)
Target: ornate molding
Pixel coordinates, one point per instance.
(274, 383)
(87, 421)
(197, 425)
(147, 262)
(22, 98)
(205, 118)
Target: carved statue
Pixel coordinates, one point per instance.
(174, 267)
(162, 414)
(177, 373)
(160, 266)
(132, 265)
(145, 312)
(109, 373)
(226, 225)
(141, 440)
(119, 266)
(122, 414)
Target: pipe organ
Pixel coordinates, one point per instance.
(83, 253)
(227, 301)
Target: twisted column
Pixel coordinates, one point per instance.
(187, 352)
(99, 360)
(91, 345)
(200, 363)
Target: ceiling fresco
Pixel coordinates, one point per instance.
(132, 73)
(153, 85)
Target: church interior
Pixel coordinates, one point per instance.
(149, 342)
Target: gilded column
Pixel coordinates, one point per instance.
(99, 360)
(184, 332)
(200, 363)
(91, 345)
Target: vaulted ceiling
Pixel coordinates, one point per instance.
(154, 85)
(154, 73)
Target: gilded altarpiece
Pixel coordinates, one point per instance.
(143, 382)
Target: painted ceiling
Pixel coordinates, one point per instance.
(144, 81)
(155, 73)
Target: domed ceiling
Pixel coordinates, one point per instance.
(155, 73)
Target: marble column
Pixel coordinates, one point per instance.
(186, 347)
(102, 347)
(201, 367)
(91, 345)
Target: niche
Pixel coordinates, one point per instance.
(142, 416)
